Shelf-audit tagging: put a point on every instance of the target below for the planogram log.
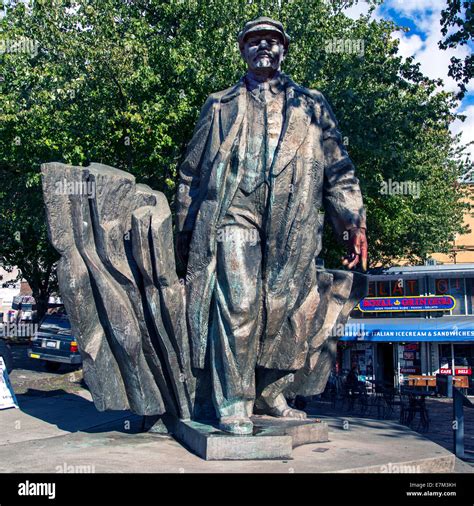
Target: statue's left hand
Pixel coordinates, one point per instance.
(357, 249)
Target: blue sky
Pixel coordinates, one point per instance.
(422, 17)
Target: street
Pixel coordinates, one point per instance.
(30, 377)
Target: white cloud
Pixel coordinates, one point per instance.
(408, 46)
(358, 9)
(434, 62)
(426, 14)
(415, 7)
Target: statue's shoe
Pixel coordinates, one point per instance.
(278, 408)
(236, 425)
(287, 413)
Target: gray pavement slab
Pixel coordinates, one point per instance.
(58, 429)
(42, 417)
(440, 431)
(367, 446)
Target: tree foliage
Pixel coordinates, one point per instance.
(122, 81)
(459, 14)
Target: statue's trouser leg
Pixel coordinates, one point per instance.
(235, 319)
(271, 384)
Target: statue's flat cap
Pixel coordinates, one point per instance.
(263, 24)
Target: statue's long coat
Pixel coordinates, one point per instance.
(311, 174)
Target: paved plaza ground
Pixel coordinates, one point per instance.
(64, 431)
(58, 429)
(440, 412)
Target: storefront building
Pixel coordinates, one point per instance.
(415, 322)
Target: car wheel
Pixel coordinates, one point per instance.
(52, 366)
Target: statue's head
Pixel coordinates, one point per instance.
(263, 44)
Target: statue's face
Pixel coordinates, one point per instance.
(263, 51)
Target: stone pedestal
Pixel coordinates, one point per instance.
(272, 438)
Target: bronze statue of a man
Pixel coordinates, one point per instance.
(264, 161)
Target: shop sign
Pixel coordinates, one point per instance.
(418, 303)
(458, 370)
(410, 370)
(409, 358)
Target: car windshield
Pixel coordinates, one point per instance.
(56, 323)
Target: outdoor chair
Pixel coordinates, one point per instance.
(392, 403)
(416, 407)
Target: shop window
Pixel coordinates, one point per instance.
(463, 355)
(412, 287)
(463, 360)
(453, 287)
(383, 288)
(362, 360)
(445, 358)
(371, 291)
(470, 294)
(398, 287)
(410, 358)
(456, 289)
(441, 286)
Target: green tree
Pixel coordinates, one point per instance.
(459, 14)
(122, 82)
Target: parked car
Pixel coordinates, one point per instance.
(54, 343)
(6, 354)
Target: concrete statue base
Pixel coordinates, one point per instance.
(272, 438)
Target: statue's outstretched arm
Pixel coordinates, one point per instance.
(342, 195)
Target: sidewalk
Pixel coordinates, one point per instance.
(56, 414)
(441, 419)
(440, 429)
(65, 431)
